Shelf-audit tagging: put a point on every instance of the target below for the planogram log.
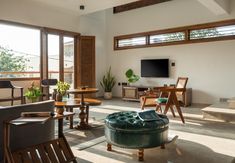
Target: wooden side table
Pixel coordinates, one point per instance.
(68, 105)
(83, 114)
(56, 151)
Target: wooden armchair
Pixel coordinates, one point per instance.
(6, 84)
(171, 100)
(149, 98)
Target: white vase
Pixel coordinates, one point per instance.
(108, 95)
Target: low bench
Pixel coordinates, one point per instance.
(90, 101)
(219, 111)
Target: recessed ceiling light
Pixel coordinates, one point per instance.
(82, 7)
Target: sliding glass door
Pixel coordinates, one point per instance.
(53, 57)
(68, 43)
(60, 52)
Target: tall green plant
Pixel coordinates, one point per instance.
(108, 81)
(131, 77)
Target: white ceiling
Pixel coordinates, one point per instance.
(90, 5)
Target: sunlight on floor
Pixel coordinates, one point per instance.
(116, 107)
(101, 110)
(93, 157)
(226, 146)
(187, 123)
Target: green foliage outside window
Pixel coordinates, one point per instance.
(9, 62)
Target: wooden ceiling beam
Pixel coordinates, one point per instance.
(137, 4)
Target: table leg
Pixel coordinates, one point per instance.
(71, 119)
(87, 113)
(60, 127)
(82, 115)
(68, 110)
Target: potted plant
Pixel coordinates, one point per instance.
(107, 84)
(33, 93)
(62, 87)
(131, 76)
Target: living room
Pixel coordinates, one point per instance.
(207, 64)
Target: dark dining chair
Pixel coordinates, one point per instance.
(6, 84)
(45, 87)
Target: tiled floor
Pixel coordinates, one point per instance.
(199, 140)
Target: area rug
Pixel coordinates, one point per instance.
(82, 139)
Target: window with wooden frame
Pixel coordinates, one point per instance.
(216, 31)
(19, 52)
(29, 52)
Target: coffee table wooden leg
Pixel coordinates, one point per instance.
(60, 127)
(141, 155)
(71, 119)
(87, 113)
(109, 147)
(67, 109)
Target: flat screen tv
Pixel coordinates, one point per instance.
(155, 68)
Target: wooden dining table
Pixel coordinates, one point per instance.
(83, 106)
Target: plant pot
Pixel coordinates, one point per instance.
(108, 95)
(59, 97)
(59, 110)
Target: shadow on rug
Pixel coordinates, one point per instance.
(82, 139)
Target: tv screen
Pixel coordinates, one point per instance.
(155, 68)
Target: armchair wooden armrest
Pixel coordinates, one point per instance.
(45, 86)
(16, 87)
(172, 89)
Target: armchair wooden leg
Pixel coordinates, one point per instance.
(166, 108)
(180, 114)
(142, 102)
(177, 105)
(172, 110)
(159, 108)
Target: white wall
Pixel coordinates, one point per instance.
(95, 25)
(209, 66)
(32, 12)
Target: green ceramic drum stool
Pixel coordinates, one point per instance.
(136, 130)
